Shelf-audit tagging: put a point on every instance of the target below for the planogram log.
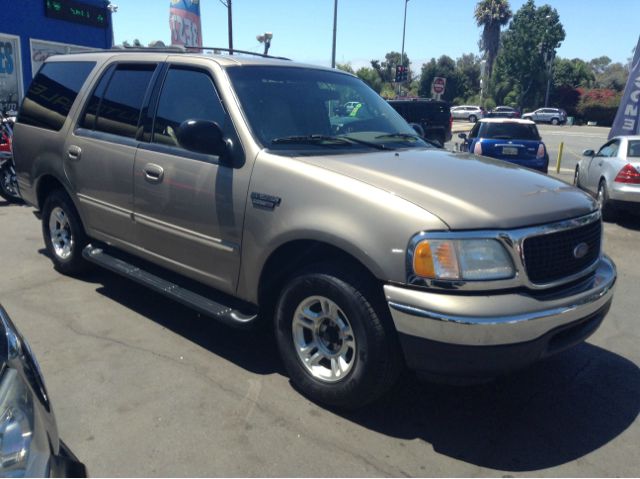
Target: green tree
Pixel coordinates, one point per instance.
(387, 68)
(491, 15)
(345, 67)
(371, 78)
(528, 48)
(443, 67)
(574, 73)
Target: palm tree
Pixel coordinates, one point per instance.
(491, 15)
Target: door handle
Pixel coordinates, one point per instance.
(153, 173)
(74, 152)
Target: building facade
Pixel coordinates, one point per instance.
(33, 30)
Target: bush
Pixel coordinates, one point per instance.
(599, 105)
(489, 103)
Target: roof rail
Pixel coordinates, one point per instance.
(193, 49)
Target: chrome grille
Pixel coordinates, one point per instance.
(551, 257)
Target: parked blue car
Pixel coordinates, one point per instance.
(512, 140)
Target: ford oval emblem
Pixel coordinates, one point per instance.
(580, 251)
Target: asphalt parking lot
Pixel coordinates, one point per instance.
(143, 386)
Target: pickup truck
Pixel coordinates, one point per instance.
(237, 186)
(433, 116)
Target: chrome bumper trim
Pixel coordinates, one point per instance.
(500, 318)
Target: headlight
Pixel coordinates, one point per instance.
(24, 445)
(463, 259)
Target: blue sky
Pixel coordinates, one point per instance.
(367, 29)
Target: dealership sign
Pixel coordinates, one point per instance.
(10, 73)
(627, 121)
(42, 49)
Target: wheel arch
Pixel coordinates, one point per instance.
(298, 254)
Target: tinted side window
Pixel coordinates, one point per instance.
(91, 111)
(186, 95)
(120, 107)
(52, 93)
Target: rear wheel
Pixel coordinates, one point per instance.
(335, 337)
(473, 118)
(607, 209)
(554, 121)
(63, 233)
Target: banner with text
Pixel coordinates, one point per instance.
(627, 121)
(184, 21)
(10, 73)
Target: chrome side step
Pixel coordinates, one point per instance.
(200, 303)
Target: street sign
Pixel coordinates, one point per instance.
(438, 85)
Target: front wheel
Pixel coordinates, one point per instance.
(576, 177)
(63, 233)
(336, 339)
(473, 118)
(554, 121)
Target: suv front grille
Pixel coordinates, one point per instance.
(551, 257)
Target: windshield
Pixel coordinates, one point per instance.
(305, 108)
(509, 131)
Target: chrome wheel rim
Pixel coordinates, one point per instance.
(60, 233)
(600, 196)
(323, 339)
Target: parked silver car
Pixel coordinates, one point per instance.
(612, 175)
(467, 112)
(554, 116)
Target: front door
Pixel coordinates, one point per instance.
(189, 209)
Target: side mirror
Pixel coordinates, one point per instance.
(588, 153)
(418, 129)
(463, 136)
(201, 136)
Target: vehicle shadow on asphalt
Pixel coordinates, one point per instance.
(255, 351)
(630, 222)
(552, 413)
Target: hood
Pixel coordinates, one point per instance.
(463, 190)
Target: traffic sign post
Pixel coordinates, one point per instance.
(438, 87)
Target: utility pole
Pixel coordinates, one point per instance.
(404, 29)
(335, 26)
(230, 26)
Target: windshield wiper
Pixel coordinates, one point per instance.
(326, 140)
(404, 136)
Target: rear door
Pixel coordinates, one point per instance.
(101, 151)
(189, 208)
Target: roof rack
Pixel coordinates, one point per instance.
(193, 49)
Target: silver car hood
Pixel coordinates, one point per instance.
(465, 191)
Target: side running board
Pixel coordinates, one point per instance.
(200, 303)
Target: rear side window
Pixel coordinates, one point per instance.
(634, 148)
(119, 110)
(52, 93)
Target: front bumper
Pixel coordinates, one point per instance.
(470, 335)
(66, 464)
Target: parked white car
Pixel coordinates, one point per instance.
(612, 175)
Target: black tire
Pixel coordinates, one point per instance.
(376, 360)
(71, 263)
(8, 188)
(576, 177)
(609, 212)
(473, 118)
(554, 121)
